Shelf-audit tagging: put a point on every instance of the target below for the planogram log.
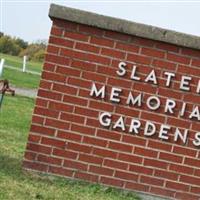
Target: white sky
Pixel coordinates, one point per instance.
(29, 19)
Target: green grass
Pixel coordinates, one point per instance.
(18, 185)
(16, 61)
(20, 79)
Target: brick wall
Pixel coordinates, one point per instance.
(66, 137)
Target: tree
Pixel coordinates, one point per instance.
(8, 46)
(21, 43)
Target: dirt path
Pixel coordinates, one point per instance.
(25, 92)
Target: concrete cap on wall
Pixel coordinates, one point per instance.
(124, 26)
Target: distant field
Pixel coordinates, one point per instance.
(16, 61)
(15, 118)
(20, 79)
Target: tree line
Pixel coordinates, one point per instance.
(18, 47)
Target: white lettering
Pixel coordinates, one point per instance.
(151, 77)
(169, 77)
(185, 83)
(149, 129)
(105, 119)
(196, 142)
(195, 113)
(164, 131)
(133, 74)
(134, 126)
(119, 124)
(183, 136)
(95, 92)
(170, 105)
(122, 70)
(153, 102)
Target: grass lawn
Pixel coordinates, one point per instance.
(16, 61)
(15, 184)
(20, 79)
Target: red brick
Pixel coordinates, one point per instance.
(35, 166)
(184, 151)
(72, 118)
(38, 148)
(158, 145)
(52, 49)
(162, 191)
(90, 30)
(127, 47)
(111, 181)
(75, 100)
(90, 159)
(42, 130)
(108, 134)
(177, 186)
(76, 36)
(64, 153)
(139, 59)
(79, 147)
(152, 52)
(177, 58)
(53, 142)
(68, 71)
(105, 153)
(101, 170)
(170, 157)
(86, 176)
(115, 164)
(192, 162)
(102, 41)
(60, 106)
(57, 59)
(167, 47)
(87, 47)
(82, 129)
(30, 156)
(137, 186)
(145, 152)
(94, 77)
(190, 180)
(46, 112)
(69, 136)
(49, 160)
(112, 53)
(57, 124)
(181, 169)
(60, 171)
(37, 120)
(165, 174)
(120, 147)
(186, 196)
(140, 169)
(56, 31)
(133, 140)
(61, 42)
(49, 94)
(130, 158)
(34, 138)
(83, 65)
(164, 64)
(126, 175)
(151, 180)
(75, 165)
(155, 163)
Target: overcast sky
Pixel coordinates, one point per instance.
(29, 19)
